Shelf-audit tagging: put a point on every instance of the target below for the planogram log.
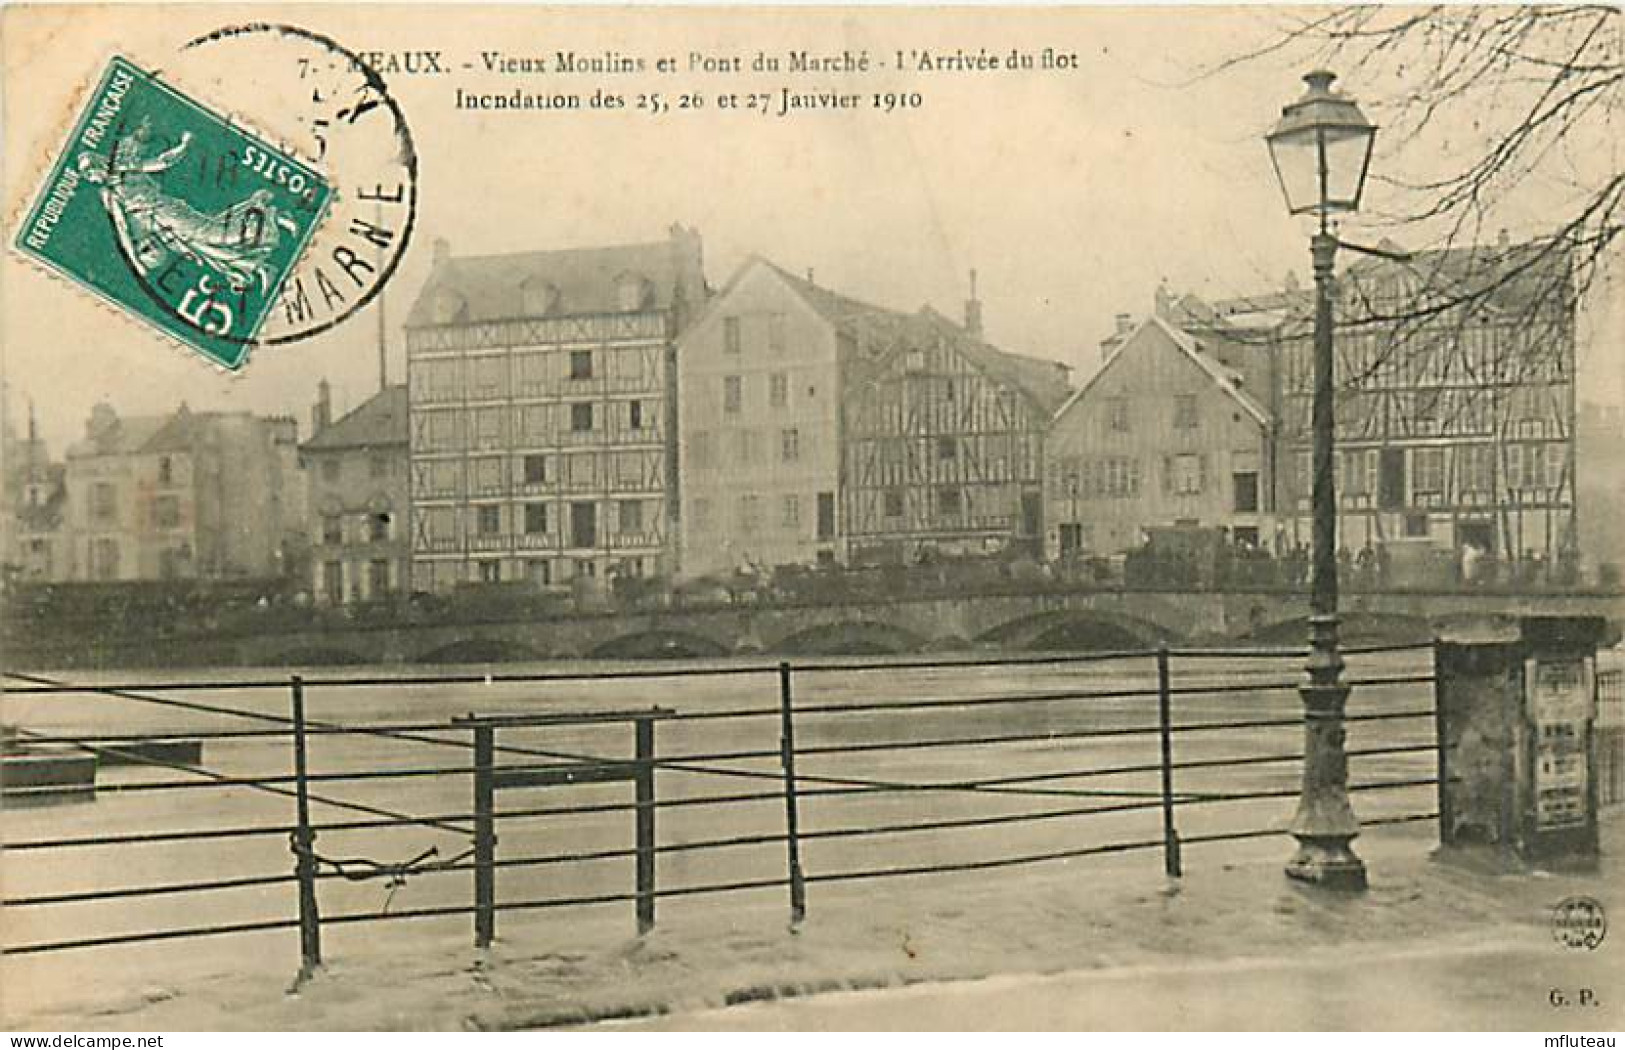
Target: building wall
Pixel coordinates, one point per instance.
(132, 516)
(757, 465)
(358, 529)
(497, 426)
(937, 456)
(1130, 453)
(1460, 431)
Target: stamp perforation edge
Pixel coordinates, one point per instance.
(62, 131)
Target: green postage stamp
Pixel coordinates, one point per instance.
(174, 214)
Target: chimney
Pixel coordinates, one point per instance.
(810, 279)
(973, 310)
(1503, 240)
(1164, 300)
(1291, 282)
(321, 413)
(1124, 323)
(442, 250)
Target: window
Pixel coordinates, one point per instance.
(539, 571)
(378, 527)
(580, 364)
(1416, 525)
(947, 448)
(749, 512)
(581, 417)
(950, 502)
(699, 516)
(634, 415)
(1475, 468)
(535, 518)
(733, 395)
(730, 335)
(826, 515)
(792, 512)
(1534, 467)
(1245, 484)
(1187, 475)
(893, 503)
(778, 390)
(775, 333)
(333, 582)
(1427, 470)
(166, 512)
(1117, 413)
(1514, 466)
(378, 466)
(1556, 465)
(166, 471)
(1354, 481)
(1071, 538)
(490, 572)
(583, 524)
(631, 516)
(699, 449)
(535, 468)
(790, 444)
(378, 577)
(488, 520)
(332, 529)
(1185, 411)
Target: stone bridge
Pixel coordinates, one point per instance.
(1032, 620)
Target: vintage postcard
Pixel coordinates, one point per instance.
(811, 518)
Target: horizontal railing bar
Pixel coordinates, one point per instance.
(1415, 679)
(150, 935)
(984, 865)
(126, 892)
(143, 838)
(975, 701)
(973, 822)
(240, 685)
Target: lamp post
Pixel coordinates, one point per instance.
(1321, 149)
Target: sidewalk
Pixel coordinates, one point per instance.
(1107, 943)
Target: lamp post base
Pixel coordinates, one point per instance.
(1328, 863)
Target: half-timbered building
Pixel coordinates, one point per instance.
(542, 407)
(1455, 407)
(817, 427)
(1166, 433)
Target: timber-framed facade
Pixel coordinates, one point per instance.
(542, 411)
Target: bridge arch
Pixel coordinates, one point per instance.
(851, 638)
(658, 644)
(480, 651)
(1077, 629)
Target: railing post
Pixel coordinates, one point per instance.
(1442, 769)
(792, 818)
(644, 786)
(1170, 835)
(485, 838)
(304, 841)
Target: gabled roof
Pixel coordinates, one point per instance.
(377, 422)
(1043, 382)
(1224, 377)
(586, 280)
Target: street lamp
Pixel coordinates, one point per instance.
(1321, 149)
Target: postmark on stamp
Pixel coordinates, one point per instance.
(174, 214)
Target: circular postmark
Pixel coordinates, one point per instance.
(320, 103)
(1579, 922)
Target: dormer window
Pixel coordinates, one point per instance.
(632, 292)
(449, 307)
(538, 298)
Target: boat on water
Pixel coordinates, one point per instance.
(39, 772)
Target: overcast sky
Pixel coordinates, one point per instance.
(1072, 194)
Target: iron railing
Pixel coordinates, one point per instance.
(786, 771)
